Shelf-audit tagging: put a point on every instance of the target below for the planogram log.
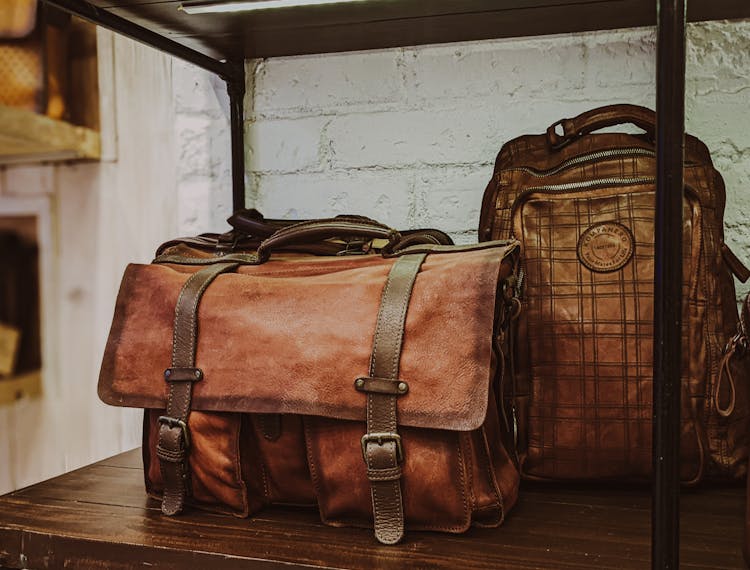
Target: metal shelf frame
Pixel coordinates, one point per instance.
(670, 108)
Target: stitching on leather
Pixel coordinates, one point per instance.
(238, 465)
(307, 430)
(264, 475)
(468, 461)
(461, 475)
(491, 474)
(178, 312)
(378, 332)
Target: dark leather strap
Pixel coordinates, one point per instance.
(600, 118)
(381, 445)
(174, 439)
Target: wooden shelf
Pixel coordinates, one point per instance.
(27, 385)
(99, 517)
(29, 137)
(389, 23)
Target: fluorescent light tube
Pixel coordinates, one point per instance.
(229, 7)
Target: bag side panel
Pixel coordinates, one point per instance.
(218, 473)
(726, 436)
(495, 478)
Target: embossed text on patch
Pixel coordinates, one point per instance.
(605, 247)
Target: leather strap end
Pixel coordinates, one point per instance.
(738, 268)
(172, 504)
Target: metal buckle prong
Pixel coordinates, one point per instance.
(177, 423)
(379, 438)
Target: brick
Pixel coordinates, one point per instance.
(203, 144)
(450, 198)
(196, 91)
(29, 180)
(457, 136)
(317, 83)
(195, 205)
(512, 68)
(619, 60)
(288, 145)
(384, 196)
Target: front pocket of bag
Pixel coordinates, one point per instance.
(217, 481)
(588, 299)
(434, 484)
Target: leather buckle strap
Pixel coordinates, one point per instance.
(174, 434)
(380, 439)
(177, 423)
(382, 448)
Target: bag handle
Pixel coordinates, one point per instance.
(600, 118)
(253, 223)
(317, 230)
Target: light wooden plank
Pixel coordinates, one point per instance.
(28, 137)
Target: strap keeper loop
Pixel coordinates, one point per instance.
(185, 374)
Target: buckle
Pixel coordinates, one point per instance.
(354, 247)
(379, 438)
(177, 423)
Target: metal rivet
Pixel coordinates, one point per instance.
(197, 373)
(359, 383)
(167, 373)
(402, 386)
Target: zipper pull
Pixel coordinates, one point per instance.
(738, 268)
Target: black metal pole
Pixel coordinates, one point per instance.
(106, 19)
(670, 134)
(236, 88)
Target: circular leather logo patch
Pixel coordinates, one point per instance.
(606, 247)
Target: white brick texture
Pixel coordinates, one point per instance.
(409, 135)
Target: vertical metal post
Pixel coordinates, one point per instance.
(236, 89)
(670, 134)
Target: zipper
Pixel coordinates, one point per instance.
(579, 187)
(583, 159)
(566, 188)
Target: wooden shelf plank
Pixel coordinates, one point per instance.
(27, 385)
(29, 137)
(99, 517)
(385, 23)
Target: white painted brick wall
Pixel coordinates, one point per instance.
(202, 150)
(409, 135)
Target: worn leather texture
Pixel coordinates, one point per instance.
(582, 205)
(276, 417)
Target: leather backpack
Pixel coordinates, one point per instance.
(335, 364)
(582, 205)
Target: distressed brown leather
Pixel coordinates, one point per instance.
(582, 389)
(276, 417)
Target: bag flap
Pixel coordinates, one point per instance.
(17, 18)
(292, 335)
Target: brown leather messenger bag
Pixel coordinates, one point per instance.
(364, 385)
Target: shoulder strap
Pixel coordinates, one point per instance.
(381, 445)
(174, 439)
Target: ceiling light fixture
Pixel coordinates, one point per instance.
(229, 7)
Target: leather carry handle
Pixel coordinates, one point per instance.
(600, 118)
(252, 223)
(317, 230)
